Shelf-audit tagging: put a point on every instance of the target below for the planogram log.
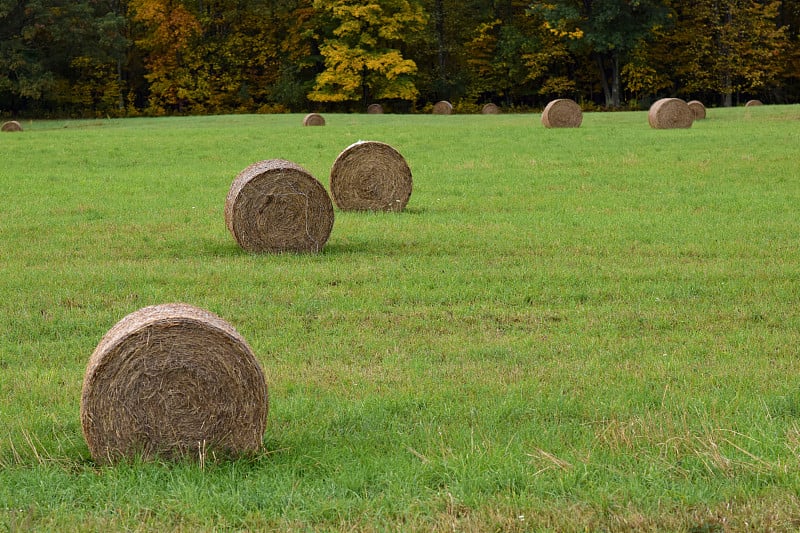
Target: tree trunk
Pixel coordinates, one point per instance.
(615, 80)
(602, 71)
(438, 14)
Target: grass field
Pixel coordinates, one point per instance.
(568, 330)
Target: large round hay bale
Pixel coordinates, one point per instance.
(490, 109)
(370, 176)
(313, 119)
(278, 206)
(562, 113)
(11, 125)
(443, 107)
(375, 109)
(172, 381)
(753, 103)
(698, 109)
(668, 113)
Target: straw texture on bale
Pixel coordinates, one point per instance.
(562, 113)
(698, 109)
(668, 113)
(313, 119)
(11, 125)
(277, 206)
(375, 109)
(172, 381)
(490, 109)
(370, 176)
(752, 103)
(443, 107)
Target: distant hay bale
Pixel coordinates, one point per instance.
(668, 113)
(490, 109)
(11, 125)
(375, 109)
(370, 176)
(313, 119)
(753, 103)
(443, 107)
(562, 113)
(278, 206)
(698, 109)
(172, 381)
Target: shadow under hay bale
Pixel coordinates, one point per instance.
(490, 109)
(698, 109)
(753, 103)
(11, 126)
(443, 107)
(370, 176)
(172, 381)
(277, 206)
(669, 113)
(562, 113)
(375, 109)
(313, 119)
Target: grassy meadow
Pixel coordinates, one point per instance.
(593, 329)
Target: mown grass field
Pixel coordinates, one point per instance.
(567, 330)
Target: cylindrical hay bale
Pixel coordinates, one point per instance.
(370, 176)
(443, 107)
(562, 113)
(172, 381)
(11, 125)
(668, 113)
(752, 103)
(375, 109)
(278, 206)
(698, 109)
(490, 109)
(313, 119)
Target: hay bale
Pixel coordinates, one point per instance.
(490, 109)
(172, 381)
(668, 113)
(443, 107)
(698, 109)
(313, 119)
(375, 109)
(278, 206)
(370, 176)
(562, 113)
(11, 125)
(753, 103)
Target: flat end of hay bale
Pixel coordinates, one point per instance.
(562, 113)
(669, 113)
(753, 103)
(172, 381)
(11, 126)
(277, 206)
(313, 119)
(375, 109)
(698, 109)
(490, 109)
(442, 107)
(370, 176)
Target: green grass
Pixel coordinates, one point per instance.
(591, 329)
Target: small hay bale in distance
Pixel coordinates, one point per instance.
(698, 109)
(562, 113)
(171, 381)
(443, 107)
(753, 103)
(370, 176)
(669, 113)
(375, 109)
(277, 206)
(313, 119)
(490, 109)
(11, 126)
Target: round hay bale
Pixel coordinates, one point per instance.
(443, 107)
(668, 113)
(172, 381)
(753, 103)
(313, 119)
(375, 109)
(370, 176)
(278, 206)
(11, 125)
(490, 109)
(698, 109)
(562, 113)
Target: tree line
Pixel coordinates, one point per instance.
(159, 57)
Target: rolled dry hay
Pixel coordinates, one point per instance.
(668, 113)
(375, 109)
(490, 109)
(443, 107)
(172, 381)
(370, 176)
(11, 125)
(278, 206)
(752, 103)
(314, 119)
(698, 109)
(562, 113)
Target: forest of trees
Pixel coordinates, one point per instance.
(85, 58)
